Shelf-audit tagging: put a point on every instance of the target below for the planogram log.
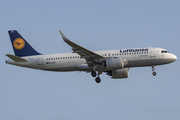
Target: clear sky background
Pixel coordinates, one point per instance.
(28, 94)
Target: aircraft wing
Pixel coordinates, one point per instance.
(90, 56)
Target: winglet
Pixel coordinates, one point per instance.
(63, 36)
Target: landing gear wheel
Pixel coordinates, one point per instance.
(154, 73)
(153, 69)
(93, 73)
(98, 80)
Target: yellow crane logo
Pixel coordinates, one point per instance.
(19, 43)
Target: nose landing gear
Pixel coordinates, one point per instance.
(153, 69)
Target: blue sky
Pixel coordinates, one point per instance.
(28, 94)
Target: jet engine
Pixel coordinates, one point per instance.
(115, 63)
(120, 73)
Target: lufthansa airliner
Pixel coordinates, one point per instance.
(115, 63)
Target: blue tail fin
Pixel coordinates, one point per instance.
(20, 45)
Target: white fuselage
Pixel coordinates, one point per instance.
(72, 62)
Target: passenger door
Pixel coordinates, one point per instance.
(152, 53)
(40, 60)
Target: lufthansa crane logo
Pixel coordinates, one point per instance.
(19, 43)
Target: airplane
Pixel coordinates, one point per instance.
(115, 63)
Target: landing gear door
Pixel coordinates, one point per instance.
(152, 53)
(40, 60)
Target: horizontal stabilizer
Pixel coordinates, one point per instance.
(16, 58)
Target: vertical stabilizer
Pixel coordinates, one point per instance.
(20, 45)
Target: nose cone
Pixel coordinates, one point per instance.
(173, 57)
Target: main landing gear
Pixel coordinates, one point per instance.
(153, 69)
(98, 80)
(94, 74)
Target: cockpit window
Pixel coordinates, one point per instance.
(164, 51)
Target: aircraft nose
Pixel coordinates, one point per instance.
(174, 57)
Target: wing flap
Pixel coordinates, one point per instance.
(16, 58)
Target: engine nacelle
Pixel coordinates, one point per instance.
(115, 63)
(120, 73)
